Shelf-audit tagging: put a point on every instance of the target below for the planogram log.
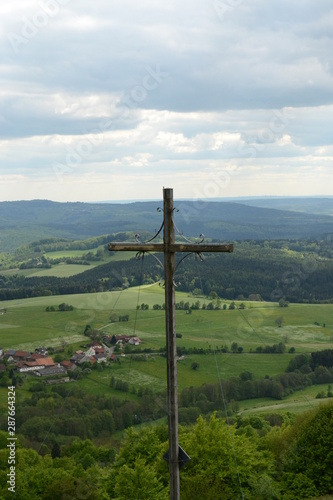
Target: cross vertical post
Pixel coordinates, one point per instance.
(172, 386)
(169, 247)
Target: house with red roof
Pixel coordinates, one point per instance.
(21, 355)
(37, 364)
(69, 365)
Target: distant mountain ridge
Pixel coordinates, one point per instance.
(26, 221)
(321, 205)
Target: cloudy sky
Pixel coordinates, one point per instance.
(112, 100)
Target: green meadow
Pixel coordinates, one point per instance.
(298, 402)
(212, 368)
(63, 270)
(305, 327)
(62, 254)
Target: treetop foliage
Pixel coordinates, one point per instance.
(285, 271)
(254, 457)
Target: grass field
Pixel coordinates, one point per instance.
(152, 373)
(27, 325)
(298, 402)
(27, 322)
(64, 254)
(59, 271)
(61, 254)
(19, 272)
(63, 270)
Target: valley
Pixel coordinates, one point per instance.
(254, 335)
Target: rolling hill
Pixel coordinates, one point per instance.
(22, 222)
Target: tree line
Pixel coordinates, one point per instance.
(269, 270)
(277, 457)
(272, 457)
(87, 416)
(303, 371)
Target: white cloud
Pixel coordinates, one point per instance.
(140, 95)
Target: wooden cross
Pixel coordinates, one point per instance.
(170, 248)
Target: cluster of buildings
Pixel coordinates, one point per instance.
(122, 339)
(96, 353)
(38, 363)
(41, 364)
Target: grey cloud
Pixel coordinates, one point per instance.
(226, 73)
(212, 64)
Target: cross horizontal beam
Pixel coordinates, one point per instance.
(173, 248)
(169, 248)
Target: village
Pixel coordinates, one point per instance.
(41, 364)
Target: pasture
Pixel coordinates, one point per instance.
(298, 402)
(61, 270)
(107, 256)
(212, 368)
(64, 270)
(26, 325)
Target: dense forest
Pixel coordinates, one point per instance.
(60, 429)
(297, 271)
(89, 416)
(22, 222)
(258, 458)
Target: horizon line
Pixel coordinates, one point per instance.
(143, 200)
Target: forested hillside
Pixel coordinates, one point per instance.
(298, 271)
(258, 458)
(25, 221)
(318, 205)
